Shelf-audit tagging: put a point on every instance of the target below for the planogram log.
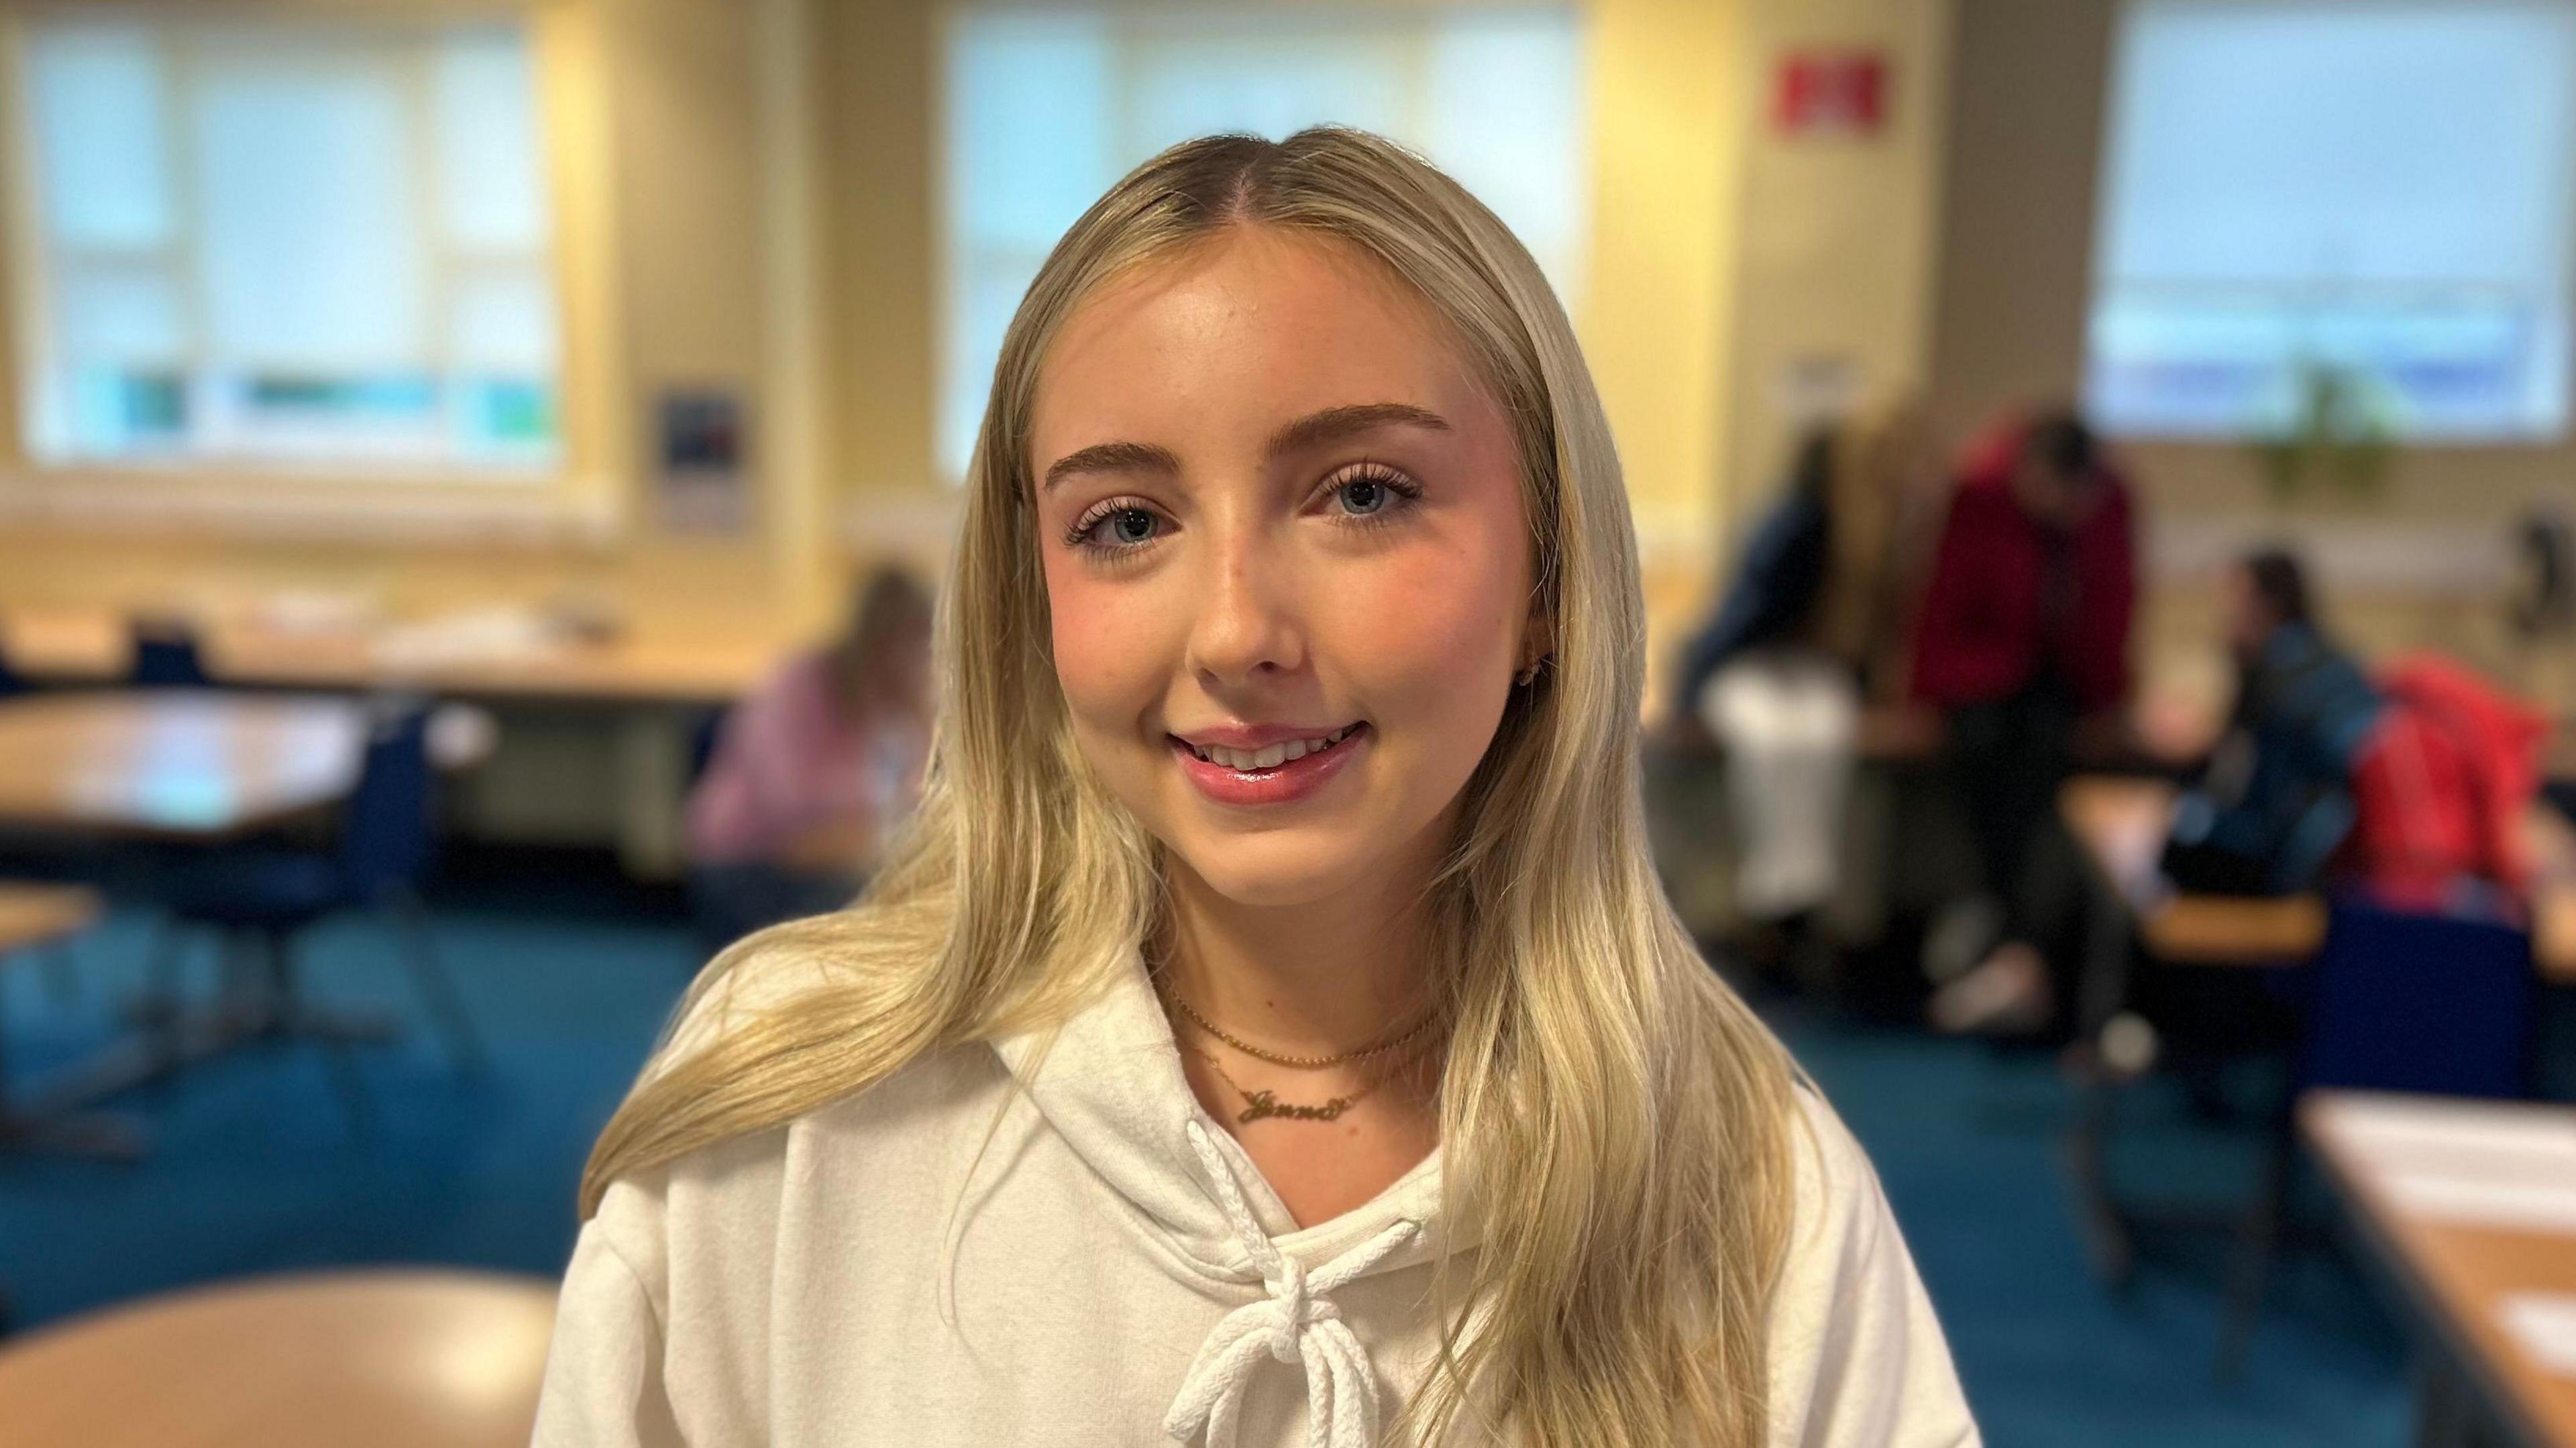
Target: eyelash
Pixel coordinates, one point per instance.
(1080, 534)
(1406, 493)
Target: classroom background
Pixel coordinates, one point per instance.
(474, 475)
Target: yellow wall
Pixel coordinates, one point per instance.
(1814, 254)
(1839, 231)
(1669, 114)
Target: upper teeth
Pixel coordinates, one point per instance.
(1269, 756)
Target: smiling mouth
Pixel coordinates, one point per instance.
(1272, 756)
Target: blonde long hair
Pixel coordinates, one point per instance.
(1617, 1123)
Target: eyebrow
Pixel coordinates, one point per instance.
(1339, 422)
(1111, 457)
(1305, 432)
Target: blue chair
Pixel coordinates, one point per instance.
(2443, 1005)
(167, 655)
(704, 733)
(259, 899)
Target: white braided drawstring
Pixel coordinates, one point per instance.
(1296, 1324)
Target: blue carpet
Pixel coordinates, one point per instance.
(1967, 1142)
(255, 1166)
(255, 1169)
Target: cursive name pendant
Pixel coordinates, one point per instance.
(1261, 1104)
(1266, 1105)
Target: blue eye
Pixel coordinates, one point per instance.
(1373, 494)
(1131, 525)
(1127, 524)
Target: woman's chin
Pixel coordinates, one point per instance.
(1245, 873)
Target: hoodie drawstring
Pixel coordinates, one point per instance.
(1297, 1323)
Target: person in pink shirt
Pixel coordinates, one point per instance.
(815, 768)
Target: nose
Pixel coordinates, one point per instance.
(1248, 626)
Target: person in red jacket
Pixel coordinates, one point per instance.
(2022, 644)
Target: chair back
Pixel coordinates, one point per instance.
(167, 657)
(389, 831)
(705, 732)
(2408, 1001)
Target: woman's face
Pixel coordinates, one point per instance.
(1277, 508)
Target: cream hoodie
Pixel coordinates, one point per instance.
(1052, 1243)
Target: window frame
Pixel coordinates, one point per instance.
(573, 499)
(2099, 284)
(1131, 27)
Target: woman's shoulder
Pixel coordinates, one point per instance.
(1854, 1342)
(919, 1101)
(883, 1148)
(1837, 1208)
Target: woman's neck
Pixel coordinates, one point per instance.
(1318, 978)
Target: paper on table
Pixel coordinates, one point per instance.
(2484, 1201)
(2489, 1165)
(2543, 1324)
(2390, 1131)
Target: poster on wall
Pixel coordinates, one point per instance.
(702, 460)
(1822, 93)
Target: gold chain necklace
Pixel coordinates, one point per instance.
(1300, 1063)
(1260, 1105)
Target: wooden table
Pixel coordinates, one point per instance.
(389, 1359)
(33, 915)
(173, 764)
(645, 691)
(2456, 1272)
(92, 646)
(2121, 824)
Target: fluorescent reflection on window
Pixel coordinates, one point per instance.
(2380, 186)
(1047, 107)
(291, 240)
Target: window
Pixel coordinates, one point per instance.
(281, 242)
(1048, 107)
(2377, 187)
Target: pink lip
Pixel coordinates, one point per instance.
(1284, 784)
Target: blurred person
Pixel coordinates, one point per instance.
(2441, 790)
(1273, 1014)
(2275, 801)
(2409, 786)
(1807, 635)
(2406, 790)
(2023, 648)
(814, 770)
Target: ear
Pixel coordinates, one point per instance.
(1538, 636)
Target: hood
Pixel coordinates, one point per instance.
(1109, 1083)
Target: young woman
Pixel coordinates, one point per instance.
(814, 770)
(1270, 1029)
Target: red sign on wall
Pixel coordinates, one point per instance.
(1831, 93)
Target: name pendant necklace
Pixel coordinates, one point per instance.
(1265, 1104)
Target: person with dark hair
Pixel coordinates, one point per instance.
(813, 770)
(1809, 630)
(2276, 800)
(1775, 580)
(2024, 641)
